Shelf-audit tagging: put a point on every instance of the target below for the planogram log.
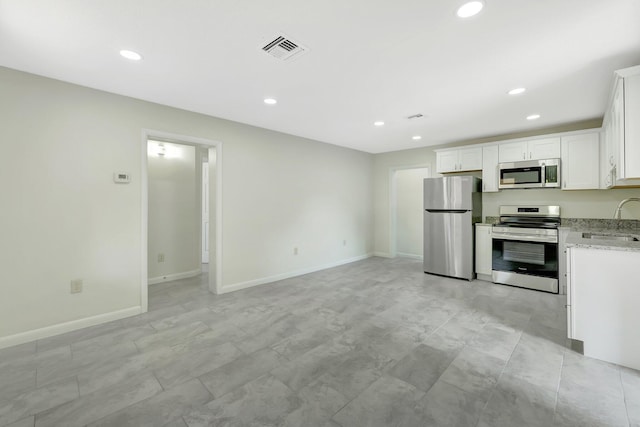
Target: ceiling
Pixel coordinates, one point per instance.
(366, 60)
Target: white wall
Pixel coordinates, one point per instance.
(174, 211)
(64, 218)
(410, 211)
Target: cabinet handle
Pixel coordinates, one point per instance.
(524, 156)
(530, 155)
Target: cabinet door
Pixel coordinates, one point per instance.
(447, 161)
(512, 151)
(490, 169)
(580, 167)
(483, 249)
(470, 159)
(570, 294)
(545, 148)
(617, 130)
(632, 127)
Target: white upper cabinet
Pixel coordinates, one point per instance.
(459, 160)
(580, 161)
(490, 168)
(622, 130)
(629, 162)
(535, 149)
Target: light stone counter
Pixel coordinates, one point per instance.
(575, 239)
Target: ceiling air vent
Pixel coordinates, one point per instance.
(284, 48)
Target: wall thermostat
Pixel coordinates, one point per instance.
(121, 178)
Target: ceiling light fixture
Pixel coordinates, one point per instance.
(270, 101)
(378, 123)
(517, 91)
(416, 137)
(129, 54)
(470, 9)
(533, 117)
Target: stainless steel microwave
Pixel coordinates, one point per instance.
(529, 174)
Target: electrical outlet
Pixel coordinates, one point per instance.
(295, 250)
(76, 286)
(160, 257)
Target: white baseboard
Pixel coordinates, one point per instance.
(175, 276)
(61, 328)
(412, 256)
(264, 280)
(382, 254)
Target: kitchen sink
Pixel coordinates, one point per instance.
(604, 236)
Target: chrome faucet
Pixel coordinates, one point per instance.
(618, 212)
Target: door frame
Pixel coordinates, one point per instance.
(393, 204)
(215, 280)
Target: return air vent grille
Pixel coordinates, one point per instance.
(284, 48)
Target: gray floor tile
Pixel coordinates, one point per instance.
(303, 341)
(25, 422)
(75, 336)
(387, 402)
(515, 402)
(240, 371)
(334, 348)
(97, 405)
(631, 387)
(114, 371)
(171, 336)
(19, 383)
(262, 402)
(166, 407)
(356, 372)
(497, 341)
(319, 403)
(38, 400)
(193, 364)
(537, 361)
(423, 366)
(311, 365)
(446, 405)
(18, 351)
(474, 372)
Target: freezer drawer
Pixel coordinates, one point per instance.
(448, 244)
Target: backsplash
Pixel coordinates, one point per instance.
(615, 224)
(590, 223)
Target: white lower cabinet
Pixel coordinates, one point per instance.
(603, 293)
(483, 251)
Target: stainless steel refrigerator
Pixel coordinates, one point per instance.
(452, 205)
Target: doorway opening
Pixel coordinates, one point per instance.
(406, 205)
(181, 213)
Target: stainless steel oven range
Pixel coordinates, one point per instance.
(525, 247)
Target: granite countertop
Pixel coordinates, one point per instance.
(575, 239)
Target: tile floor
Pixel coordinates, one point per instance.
(373, 343)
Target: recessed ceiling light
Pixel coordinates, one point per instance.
(533, 117)
(470, 9)
(516, 91)
(416, 137)
(378, 123)
(129, 54)
(270, 101)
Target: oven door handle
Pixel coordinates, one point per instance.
(525, 238)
